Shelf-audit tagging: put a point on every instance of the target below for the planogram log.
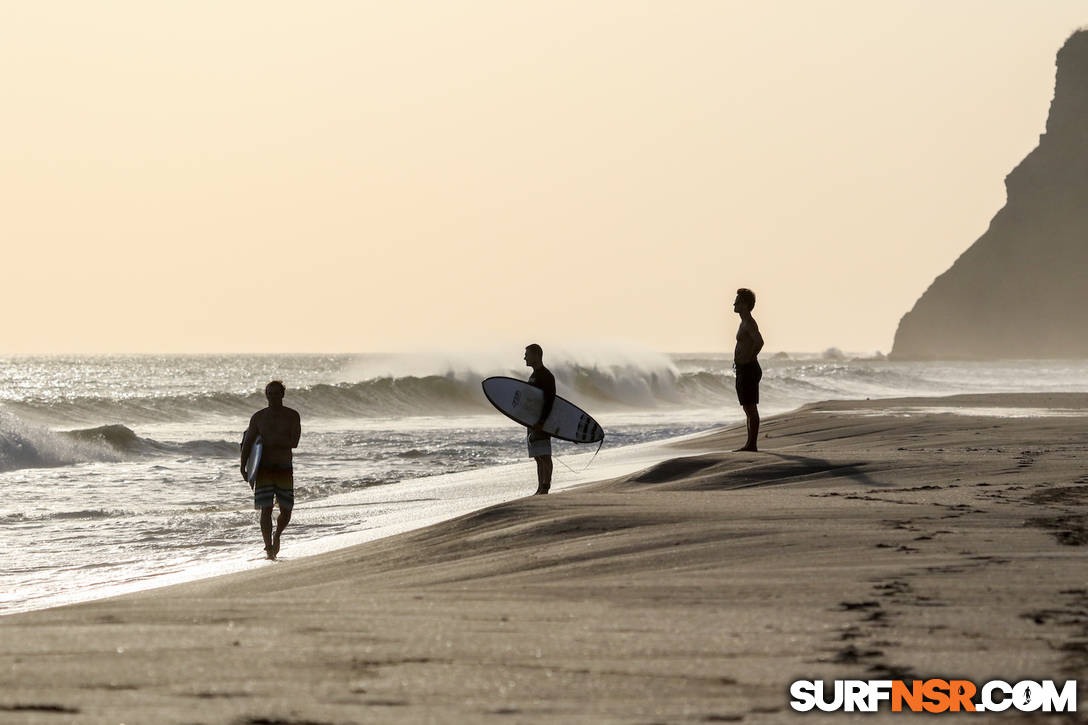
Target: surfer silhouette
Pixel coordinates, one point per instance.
(279, 429)
(540, 443)
(745, 364)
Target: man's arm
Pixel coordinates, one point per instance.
(247, 442)
(296, 433)
(548, 386)
(757, 339)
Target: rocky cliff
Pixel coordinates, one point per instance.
(1021, 290)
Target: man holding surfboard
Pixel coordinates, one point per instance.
(748, 371)
(540, 443)
(535, 405)
(278, 428)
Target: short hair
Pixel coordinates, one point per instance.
(748, 297)
(275, 388)
(534, 348)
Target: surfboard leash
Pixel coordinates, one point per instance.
(599, 446)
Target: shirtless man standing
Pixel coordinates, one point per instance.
(540, 443)
(749, 343)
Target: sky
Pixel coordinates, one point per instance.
(374, 176)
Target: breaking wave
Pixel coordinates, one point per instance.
(124, 441)
(25, 445)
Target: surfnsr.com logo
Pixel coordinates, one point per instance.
(933, 696)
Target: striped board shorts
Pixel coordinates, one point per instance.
(274, 486)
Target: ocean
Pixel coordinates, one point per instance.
(121, 472)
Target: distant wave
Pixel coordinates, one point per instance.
(689, 382)
(597, 388)
(384, 397)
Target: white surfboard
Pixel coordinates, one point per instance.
(523, 403)
(254, 461)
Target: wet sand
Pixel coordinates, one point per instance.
(860, 543)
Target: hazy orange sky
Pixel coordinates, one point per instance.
(273, 176)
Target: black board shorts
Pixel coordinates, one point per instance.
(748, 377)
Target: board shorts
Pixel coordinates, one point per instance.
(748, 377)
(540, 444)
(274, 486)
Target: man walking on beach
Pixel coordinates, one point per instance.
(748, 372)
(540, 443)
(279, 429)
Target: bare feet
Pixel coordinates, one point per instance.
(541, 492)
(746, 449)
(269, 553)
(275, 546)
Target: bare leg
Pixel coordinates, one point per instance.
(543, 474)
(281, 524)
(752, 412)
(266, 530)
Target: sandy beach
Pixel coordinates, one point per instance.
(869, 539)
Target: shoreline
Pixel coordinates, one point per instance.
(416, 503)
(872, 546)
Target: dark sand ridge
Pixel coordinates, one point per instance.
(859, 545)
